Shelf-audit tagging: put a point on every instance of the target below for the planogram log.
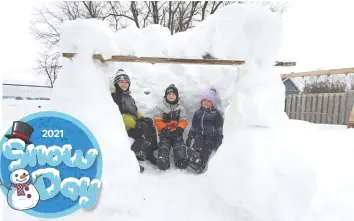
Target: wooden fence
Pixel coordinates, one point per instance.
(326, 108)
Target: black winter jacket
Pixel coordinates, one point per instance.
(207, 122)
(125, 102)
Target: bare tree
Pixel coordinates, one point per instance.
(177, 16)
(48, 64)
(325, 84)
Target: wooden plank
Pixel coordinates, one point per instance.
(303, 106)
(298, 106)
(294, 103)
(313, 110)
(343, 100)
(319, 73)
(288, 105)
(154, 60)
(336, 101)
(330, 109)
(319, 108)
(324, 109)
(308, 107)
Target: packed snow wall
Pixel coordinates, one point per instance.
(240, 32)
(225, 35)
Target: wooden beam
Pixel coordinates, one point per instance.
(319, 73)
(154, 60)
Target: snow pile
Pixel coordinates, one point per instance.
(89, 99)
(266, 173)
(82, 91)
(87, 32)
(260, 176)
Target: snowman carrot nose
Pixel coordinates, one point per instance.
(23, 176)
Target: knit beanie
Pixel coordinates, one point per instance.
(121, 76)
(209, 95)
(171, 89)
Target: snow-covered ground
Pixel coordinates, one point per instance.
(269, 168)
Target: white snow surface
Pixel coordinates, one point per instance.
(268, 168)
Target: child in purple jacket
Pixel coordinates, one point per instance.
(206, 132)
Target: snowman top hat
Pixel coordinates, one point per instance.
(22, 131)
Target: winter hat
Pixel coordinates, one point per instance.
(171, 89)
(120, 76)
(209, 95)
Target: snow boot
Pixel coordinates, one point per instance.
(180, 153)
(182, 163)
(140, 155)
(195, 160)
(163, 163)
(197, 168)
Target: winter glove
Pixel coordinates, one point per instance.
(129, 121)
(166, 118)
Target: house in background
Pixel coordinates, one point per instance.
(290, 86)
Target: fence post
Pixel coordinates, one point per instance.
(350, 109)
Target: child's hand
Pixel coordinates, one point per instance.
(166, 118)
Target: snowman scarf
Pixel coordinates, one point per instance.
(20, 187)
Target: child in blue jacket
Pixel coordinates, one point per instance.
(206, 132)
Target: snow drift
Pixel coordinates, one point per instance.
(257, 174)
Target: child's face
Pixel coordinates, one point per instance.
(207, 104)
(171, 97)
(123, 85)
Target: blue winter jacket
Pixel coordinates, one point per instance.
(207, 122)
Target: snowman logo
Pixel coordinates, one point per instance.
(22, 195)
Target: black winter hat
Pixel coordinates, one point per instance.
(171, 89)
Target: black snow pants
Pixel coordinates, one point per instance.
(145, 142)
(200, 151)
(179, 151)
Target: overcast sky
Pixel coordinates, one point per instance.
(317, 34)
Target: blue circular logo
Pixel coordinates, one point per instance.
(50, 165)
